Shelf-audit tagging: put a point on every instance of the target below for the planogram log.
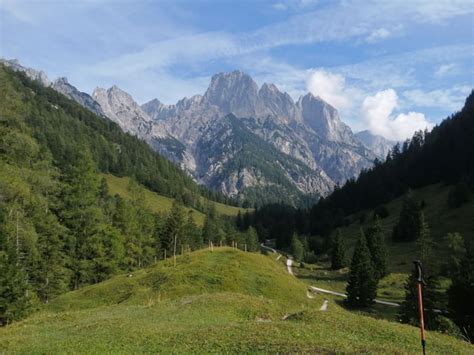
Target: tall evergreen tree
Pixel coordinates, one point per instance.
(173, 231)
(409, 307)
(407, 227)
(461, 294)
(362, 285)
(337, 252)
(251, 239)
(297, 249)
(193, 234)
(15, 296)
(409, 311)
(378, 249)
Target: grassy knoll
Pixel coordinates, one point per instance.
(226, 300)
(162, 204)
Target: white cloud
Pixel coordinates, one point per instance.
(280, 6)
(330, 87)
(446, 69)
(377, 111)
(446, 99)
(378, 35)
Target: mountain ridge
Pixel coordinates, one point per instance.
(308, 130)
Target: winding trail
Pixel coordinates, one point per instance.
(289, 266)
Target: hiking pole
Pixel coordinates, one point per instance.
(420, 282)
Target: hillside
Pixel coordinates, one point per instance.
(162, 204)
(441, 218)
(225, 300)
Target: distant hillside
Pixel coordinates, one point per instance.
(162, 204)
(444, 155)
(225, 300)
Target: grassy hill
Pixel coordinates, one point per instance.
(162, 204)
(225, 300)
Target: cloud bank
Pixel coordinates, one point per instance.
(377, 111)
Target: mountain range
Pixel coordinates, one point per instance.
(249, 142)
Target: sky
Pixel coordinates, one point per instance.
(390, 66)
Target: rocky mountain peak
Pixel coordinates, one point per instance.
(324, 119)
(120, 107)
(62, 85)
(61, 81)
(234, 92)
(33, 74)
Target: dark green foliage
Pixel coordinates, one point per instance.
(192, 233)
(15, 296)
(456, 252)
(407, 228)
(362, 285)
(431, 296)
(409, 311)
(337, 252)
(461, 294)
(459, 194)
(297, 248)
(378, 249)
(425, 247)
(381, 212)
(174, 230)
(251, 239)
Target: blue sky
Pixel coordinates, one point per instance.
(390, 66)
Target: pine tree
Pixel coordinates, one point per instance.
(409, 311)
(337, 252)
(15, 296)
(297, 249)
(409, 307)
(425, 247)
(362, 285)
(456, 251)
(193, 234)
(251, 239)
(378, 249)
(407, 227)
(173, 231)
(461, 294)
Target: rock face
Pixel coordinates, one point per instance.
(62, 85)
(33, 74)
(377, 144)
(309, 132)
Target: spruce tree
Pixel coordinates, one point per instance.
(337, 252)
(461, 294)
(297, 249)
(409, 307)
(409, 311)
(15, 295)
(251, 239)
(173, 231)
(193, 234)
(378, 249)
(407, 227)
(362, 285)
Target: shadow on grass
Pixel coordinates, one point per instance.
(376, 311)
